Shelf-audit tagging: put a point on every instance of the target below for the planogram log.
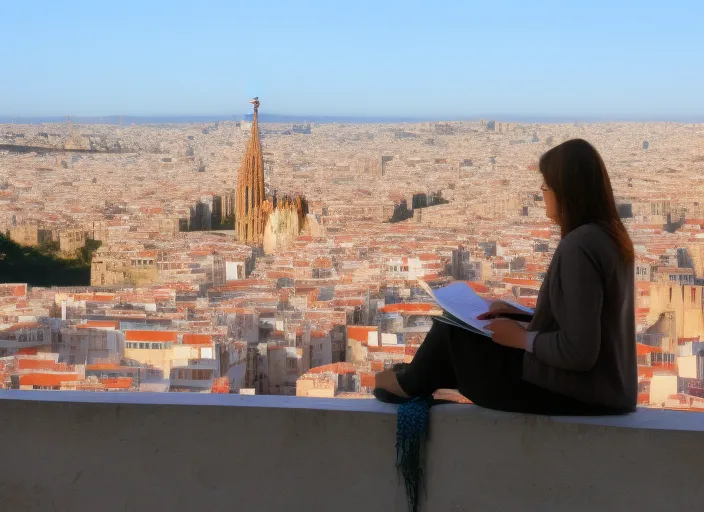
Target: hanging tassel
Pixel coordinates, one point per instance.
(411, 433)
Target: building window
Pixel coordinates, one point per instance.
(156, 346)
(694, 295)
(144, 346)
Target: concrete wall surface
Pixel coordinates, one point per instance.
(80, 451)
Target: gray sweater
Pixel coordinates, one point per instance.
(585, 347)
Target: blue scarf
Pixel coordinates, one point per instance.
(411, 432)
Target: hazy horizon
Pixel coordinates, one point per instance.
(350, 119)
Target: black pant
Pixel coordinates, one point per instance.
(487, 373)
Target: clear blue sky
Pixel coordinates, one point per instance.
(440, 59)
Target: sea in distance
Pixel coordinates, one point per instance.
(318, 119)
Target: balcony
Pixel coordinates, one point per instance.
(200, 363)
(76, 451)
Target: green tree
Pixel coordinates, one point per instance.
(85, 253)
(40, 267)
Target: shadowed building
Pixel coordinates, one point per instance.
(30, 234)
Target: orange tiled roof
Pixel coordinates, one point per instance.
(360, 332)
(642, 349)
(534, 267)
(682, 341)
(338, 368)
(367, 380)
(103, 366)
(17, 290)
(197, 339)
(94, 297)
(522, 282)
(117, 383)
(322, 263)
(98, 324)
(221, 385)
(408, 307)
(530, 302)
(36, 364)
(111, 366)
(167, 336)
(47, 379)
(477, 287)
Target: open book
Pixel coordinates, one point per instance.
(461, 306)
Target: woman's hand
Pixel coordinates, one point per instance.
(497, 309)
(508, 333)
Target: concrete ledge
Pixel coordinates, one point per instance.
(75, 451)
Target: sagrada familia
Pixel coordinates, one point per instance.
(269, 222)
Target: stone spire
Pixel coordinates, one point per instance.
(250, 209)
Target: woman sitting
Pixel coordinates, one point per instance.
(578, 354)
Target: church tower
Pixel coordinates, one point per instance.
(250, 214)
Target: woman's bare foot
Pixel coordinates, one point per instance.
(387, 380)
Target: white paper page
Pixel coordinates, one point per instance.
(461, 301)
(518, 306)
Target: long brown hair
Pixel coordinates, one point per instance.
(576, 174)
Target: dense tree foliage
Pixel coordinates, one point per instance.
(44, 266)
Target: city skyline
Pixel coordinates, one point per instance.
(155, 290)
(633, 61)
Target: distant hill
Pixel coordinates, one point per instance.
(37, 267)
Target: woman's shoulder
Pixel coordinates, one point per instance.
(590, 239)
